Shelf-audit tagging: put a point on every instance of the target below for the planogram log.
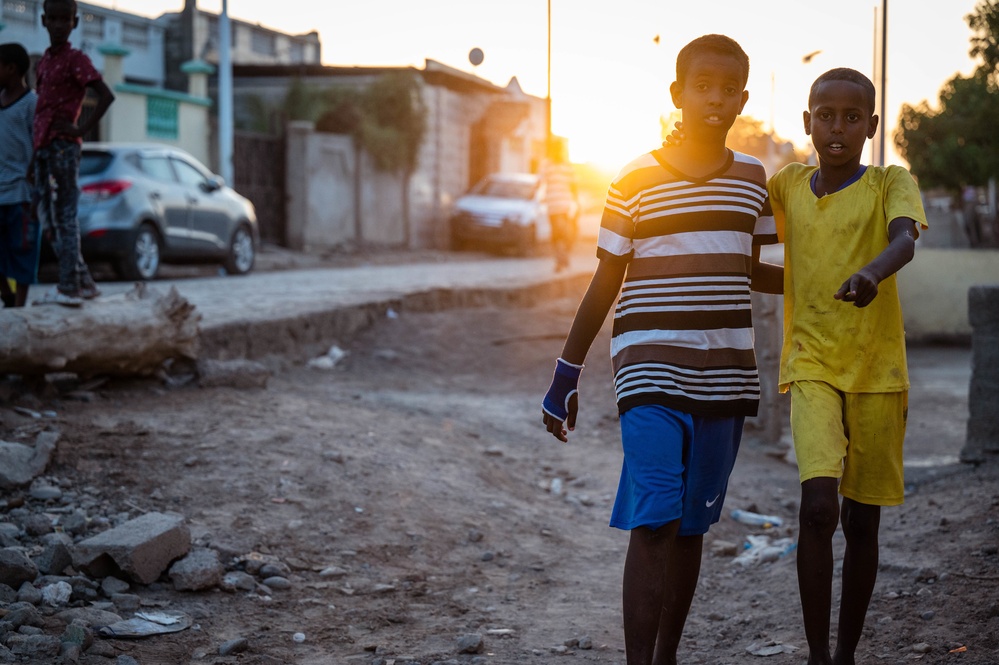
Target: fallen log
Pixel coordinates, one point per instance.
(132, 333)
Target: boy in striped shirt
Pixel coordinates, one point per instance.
(679, 241)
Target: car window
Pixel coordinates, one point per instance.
(188, 174)
(506, 189)
(157, 168)
(93, 162)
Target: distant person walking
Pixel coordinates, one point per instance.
(63, 76)
(561, 199)
(20, 234)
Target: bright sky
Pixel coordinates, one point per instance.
(609, 78)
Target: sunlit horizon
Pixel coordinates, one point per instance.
(609, 72)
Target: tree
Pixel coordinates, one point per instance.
(955, 144)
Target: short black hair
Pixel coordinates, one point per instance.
(70, 3)
(719, 44)
(850, 76)
(14, 54)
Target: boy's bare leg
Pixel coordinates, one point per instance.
(644, 589)
(6, 293)
(21, 295)
(818, 516)
(682, 570)
(860, 572)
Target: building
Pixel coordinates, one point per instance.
(21, 21)
(473, 128)
(193, 34)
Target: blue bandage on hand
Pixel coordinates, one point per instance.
(565, 384)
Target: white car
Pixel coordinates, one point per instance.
(503, 209)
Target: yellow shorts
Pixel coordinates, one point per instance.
(856, 437)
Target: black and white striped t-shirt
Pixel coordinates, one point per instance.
(683, 328)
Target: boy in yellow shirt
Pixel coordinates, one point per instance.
(843, 357)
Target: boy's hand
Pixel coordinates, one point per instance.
(676, 137)
(860, 289)
(561, 403)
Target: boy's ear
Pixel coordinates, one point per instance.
(745, 98)
(676, 92)
(806, 117)
(872, 127)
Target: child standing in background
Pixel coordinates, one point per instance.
(63, 76)
(20, 233)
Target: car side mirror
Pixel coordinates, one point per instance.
(213, 184)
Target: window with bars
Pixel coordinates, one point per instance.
(92, 26)
(134, 34)
(262, 42)
(20, 11)
(161, 117)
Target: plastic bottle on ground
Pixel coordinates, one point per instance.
(756, 519)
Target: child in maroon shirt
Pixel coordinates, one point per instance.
(63, 76)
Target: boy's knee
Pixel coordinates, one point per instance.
(819, 505)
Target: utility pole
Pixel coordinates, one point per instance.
(882, 125)
(548, 95)
(225, 122)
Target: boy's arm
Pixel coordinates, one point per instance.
(104, 99)
(590, 316)
(767, 277)
(862, 287)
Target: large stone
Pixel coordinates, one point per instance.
(16, 568)
(20, 464)
(141, 549)
(54, 559)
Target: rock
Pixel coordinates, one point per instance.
(332, 571)
(54, 559)
(45, 493)
(16, 568)
(20, 464)
(125, 660)
(274, 569)
(8, 595)
(141, 548)
(126, 602)
(29, 594)
(37, 524)
(238, 645)
(471, 643)
(39, 647)
(921, 647)
(237, 580)
(88, 616)
(112, 585)
(201, 569)
(277, 583)
(232, 373)
(23, 614)
(74, 523)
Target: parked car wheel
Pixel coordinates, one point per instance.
(242, 252)
(142, 261)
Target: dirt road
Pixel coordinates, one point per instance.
(416, 501)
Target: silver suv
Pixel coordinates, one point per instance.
(143, 204)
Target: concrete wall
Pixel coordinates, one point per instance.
(934, 291)
(323, 209)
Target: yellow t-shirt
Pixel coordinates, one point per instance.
(827, 239)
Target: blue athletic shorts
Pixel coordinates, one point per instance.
(20, 242)
(676, 466)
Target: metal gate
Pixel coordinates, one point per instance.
(258, 161)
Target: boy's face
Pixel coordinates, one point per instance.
(59, 19)
(711, 97)
(839, 122)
